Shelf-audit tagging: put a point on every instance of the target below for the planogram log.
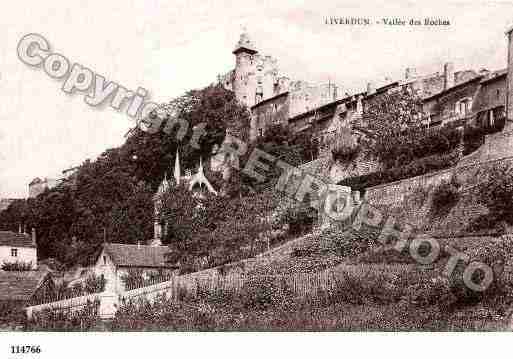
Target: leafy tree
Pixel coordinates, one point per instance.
(388, 118)
(111, 197)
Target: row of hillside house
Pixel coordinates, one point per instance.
(449, 95)
(22, 287)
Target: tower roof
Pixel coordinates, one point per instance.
(245, 44)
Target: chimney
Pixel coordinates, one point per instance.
(370, 88)
(34, 236)
(509, 78)
(448, 75)
(410, 73)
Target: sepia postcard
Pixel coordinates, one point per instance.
(176, 167)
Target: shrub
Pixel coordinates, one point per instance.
(435, 291)
(11, 314)
(94, 284)
(63, 320)
(415, 168)
(300, 218)
(17, 266)
(264, 292)
(496, 193)
(445, 197)
(495, 254)
(474, 135)
(418, 143)
(349, 243)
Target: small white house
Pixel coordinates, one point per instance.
(116, 260)
(18, 247)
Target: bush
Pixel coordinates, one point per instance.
(94, 284)
(62, 320)
(496, 193)
(413, 169)
(418, 143)
(445, 197)
(11, 314)
(474, 135)
(17, 266)
(496, 254)
(349, 243)
(265, 292)
(299, 218)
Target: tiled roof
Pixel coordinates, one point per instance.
(133, 255)
(20, 285)
(14, 239)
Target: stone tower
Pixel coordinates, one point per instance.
(244, 81)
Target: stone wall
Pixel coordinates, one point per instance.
(410, 200)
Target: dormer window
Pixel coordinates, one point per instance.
(14, 252)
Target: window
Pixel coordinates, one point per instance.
(14, 252)
(260, 132)
(104, 260)
(498, 94)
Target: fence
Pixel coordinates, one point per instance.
(301, 284)
(69, 305)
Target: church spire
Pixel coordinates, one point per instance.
(177, 173)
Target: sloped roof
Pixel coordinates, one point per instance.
(133, 255)
(20, 285)
(14, 239)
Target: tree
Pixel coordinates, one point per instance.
(388, 118)
(111, 197)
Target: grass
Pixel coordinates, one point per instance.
(342, 316)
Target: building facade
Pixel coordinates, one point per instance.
(18, 248)
(116, 261)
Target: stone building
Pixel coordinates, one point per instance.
(38, 185)
(256, 78)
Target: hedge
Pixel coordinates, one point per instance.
(412, 169)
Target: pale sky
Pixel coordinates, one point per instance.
(170, 47)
